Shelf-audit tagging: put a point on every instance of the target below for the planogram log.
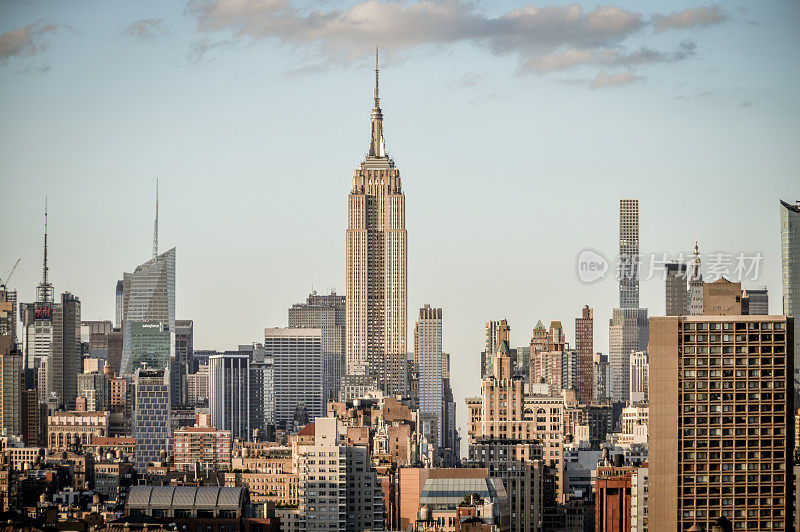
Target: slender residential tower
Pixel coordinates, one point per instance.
(790, 260)
(376, 300)
(629, 253)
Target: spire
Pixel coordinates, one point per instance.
(44, 292)
(377, 147)
(155, 226)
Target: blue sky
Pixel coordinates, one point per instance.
(516, 126)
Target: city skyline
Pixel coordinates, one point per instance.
(508, 217)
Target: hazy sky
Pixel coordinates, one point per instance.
(516, 126)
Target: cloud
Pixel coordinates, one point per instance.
(613, 80)
(145, 29)
(746, 103)
(25, 42)
(699, 17)
(544, 39)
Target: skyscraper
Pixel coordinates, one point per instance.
(676, 302)
(720, 422)
(758, 301)
(376, 266)
(10, 386)
(327, 312)
(297, 371)
(584, 346)
(628, 253)
(229, 393)
(151, 421)
(119, 294)
(790, 255)
(428, 357)
(148, 313)
(628, 325)
(627, 332)
(64, 360)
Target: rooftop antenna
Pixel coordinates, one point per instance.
(155, 226)
(44, 292)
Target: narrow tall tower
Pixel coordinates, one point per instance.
(44, 292)
(155, 226)
(628, 253)
(376, 265)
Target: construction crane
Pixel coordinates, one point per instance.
(3, 283)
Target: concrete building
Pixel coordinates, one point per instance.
(203, 445)
(613, 504)
(601, 375)
(628, 332)
(34, 419)
(197, 385)
(298, 363)
(326, 312)
(91, 386)
(64, 360)
(338, 487)
(182, 361)
(723, 298)
(148, 314)
(628, 253)
(721, 419)
(376, 266)
(640, 499)
(676, 294)
(758, 301)
(790, 261)
(151, 421)
(496, 331)
(10, 386)
(584, 347)
(638, 379)
(428, 358)
(229, 393)
(63, 426)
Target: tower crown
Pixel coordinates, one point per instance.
(377, 147)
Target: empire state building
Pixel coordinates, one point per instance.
(377, 265)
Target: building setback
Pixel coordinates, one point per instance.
(376, 266)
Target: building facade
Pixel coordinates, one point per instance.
(628, 332)
(428, 357)
(584, 347)
(628, 253)
(151, 420)
(721, 419)
(790, 261)
(376, 266)
(676, 295)
(229, 393)
(298, 363)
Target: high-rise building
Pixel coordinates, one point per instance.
(152, 426)
(758, 301)
(91, 386)
(64, 360)
(720, 422)
(148, 314)
(695, 284)
(34, 419)
(326, 312)
(584, 347)
(8, 312)
(119, 296)
(790, 260)
(496, 331)
(428, 357)
(339, 488)
(628, 253)
(229, 393)
(627, 333)
(601, 376)
(298, 364)
(676, 296)
(10, 386)
(639, 374)
(376, 266)
(181, 361)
